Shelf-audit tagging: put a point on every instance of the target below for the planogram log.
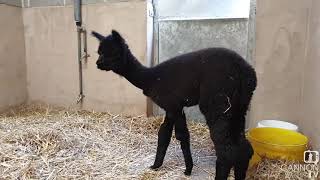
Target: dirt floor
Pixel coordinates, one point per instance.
(41, 142)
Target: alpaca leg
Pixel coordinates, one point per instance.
(244, 150)
(237, 155)
(222, 168)
(244, 154)
(224, 149)
(182, 134)
(219, 121)
(233, 149)
(164, 137)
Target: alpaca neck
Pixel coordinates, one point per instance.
(135, 72)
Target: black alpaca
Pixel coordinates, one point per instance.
(217, 79)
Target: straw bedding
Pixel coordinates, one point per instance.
(278, 169)
(42, 142)
(55, 143)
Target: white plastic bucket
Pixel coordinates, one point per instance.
(278, 124)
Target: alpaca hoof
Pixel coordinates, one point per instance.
(187, 172)
(154, 167)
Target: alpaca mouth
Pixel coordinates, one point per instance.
(104, 68)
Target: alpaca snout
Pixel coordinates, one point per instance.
(99, 61)
(99, 64)
(102, 66)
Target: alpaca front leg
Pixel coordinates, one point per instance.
(164, 136)
(182, 134)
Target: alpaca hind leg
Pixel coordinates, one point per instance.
(224, 149)
(244, 150)
(233, 150)
(164, 137)
(237, 155)
(182, 134)
(219, 121)
(244, 154)
(223, 168)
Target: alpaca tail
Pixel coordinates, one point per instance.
(247, 86)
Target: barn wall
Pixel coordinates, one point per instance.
(309, 121)
(281, 37)
(51, 55)
(12, 57)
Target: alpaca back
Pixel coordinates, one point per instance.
(215, 69)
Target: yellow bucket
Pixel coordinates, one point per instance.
(276, 143)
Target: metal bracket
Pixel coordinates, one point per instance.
(80, 98)
(82, 34)
(84, 56)
(151, 11)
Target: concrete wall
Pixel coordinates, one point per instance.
(281, 35)
(12, 57)
(287, 64)
(51, 55)
(309, 121)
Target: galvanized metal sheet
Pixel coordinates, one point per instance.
(17, 3)
(202, 9)
(178, 37)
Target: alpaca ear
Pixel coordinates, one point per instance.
(98, 36)
(117, 36)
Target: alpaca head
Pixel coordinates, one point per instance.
(112, 49)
